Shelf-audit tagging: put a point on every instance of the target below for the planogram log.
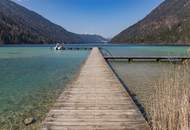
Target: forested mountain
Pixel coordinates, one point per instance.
(20, 25)
(168, 23)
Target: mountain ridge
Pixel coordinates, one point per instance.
(169, 23)
(21, 25)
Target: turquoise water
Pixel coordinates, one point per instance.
(141, 77)
(137, 50)
(147, 50)
(31, 79)
(127, 50)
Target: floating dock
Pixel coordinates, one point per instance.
(95, 100)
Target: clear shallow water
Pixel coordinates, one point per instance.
(31, 79)
(140, 77)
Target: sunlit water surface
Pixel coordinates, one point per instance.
(141, 77)
(31, 78)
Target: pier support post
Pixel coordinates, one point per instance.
(130, 60)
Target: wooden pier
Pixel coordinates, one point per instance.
(148, 58)
(77, 48)
(95, 100)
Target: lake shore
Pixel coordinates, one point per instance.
(35, 63)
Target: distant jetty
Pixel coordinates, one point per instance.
(95, 100)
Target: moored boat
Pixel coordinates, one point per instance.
(59, 46)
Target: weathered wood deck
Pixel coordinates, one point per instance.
(143, 58)
(96, 100)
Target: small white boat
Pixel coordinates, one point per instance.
(59, 46)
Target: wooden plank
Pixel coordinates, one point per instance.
(156, 58)
(96, 100)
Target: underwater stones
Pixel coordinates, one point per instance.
(29, 121)
(188, 50)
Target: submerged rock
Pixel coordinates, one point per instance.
(29, 121)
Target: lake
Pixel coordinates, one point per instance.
(141, 77)
(32, 77)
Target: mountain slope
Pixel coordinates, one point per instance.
(20, 25)
(168, 23)
(93, 38)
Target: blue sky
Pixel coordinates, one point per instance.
(104, 17)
